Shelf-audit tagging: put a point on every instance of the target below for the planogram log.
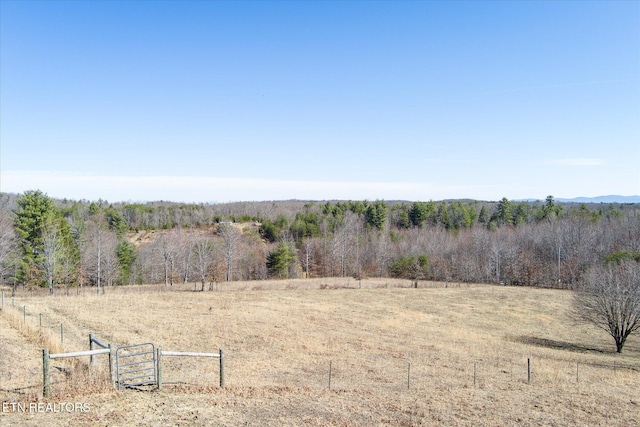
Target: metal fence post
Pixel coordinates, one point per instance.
(112, 361)
(90, 348)
(221, 368)
(159, 367)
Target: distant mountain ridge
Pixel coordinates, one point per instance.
(602, 199)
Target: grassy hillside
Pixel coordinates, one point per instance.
(279, 341)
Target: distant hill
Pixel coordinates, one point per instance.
(603, 199)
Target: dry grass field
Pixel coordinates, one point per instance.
(400, 356)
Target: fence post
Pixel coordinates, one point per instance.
(46, 385)
(90, 348)
(528, 370)
(24, 314)
(330, 374)
(112, 361)
(159, 367)
(408, 376)
(61, 333)
(577, 371)
(221, 369)
(40, 316)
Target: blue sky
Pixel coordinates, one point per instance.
(212, 101)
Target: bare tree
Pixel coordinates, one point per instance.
(344, 239)
(8, 245)
(98, 252)
(306, 255)
(609, 298)
(253, 263)
(204, 253)
(52, 253)
(231, 237)
(98, 233)
(110, 265)
(170, 246)
(184, 251)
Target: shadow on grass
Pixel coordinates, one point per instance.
(559, 345)
(563, 345)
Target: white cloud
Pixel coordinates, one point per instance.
(576, 161)
(192, 189)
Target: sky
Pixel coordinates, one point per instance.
(214, 101)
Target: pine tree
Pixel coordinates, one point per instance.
(126, 253)
(376, 214)
(45, 239)
(504, 212)
(281, 261)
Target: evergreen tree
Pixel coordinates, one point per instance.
(126, 253)
(443, 215)
(483, 216)
(281, 261)
(403, 219)
(45, 238)
(520, 215)
(421, 212)
(469, 216)
(305, 225)
(116, 221)
(269, 231)
(504, 212)
(376, 214)
(358, 207)
(550, 210)
(281, 222)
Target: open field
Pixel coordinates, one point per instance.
(279, 339)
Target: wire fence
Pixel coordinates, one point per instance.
(344, 372)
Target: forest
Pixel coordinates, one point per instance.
(61, 244)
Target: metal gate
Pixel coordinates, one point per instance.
(136, 365)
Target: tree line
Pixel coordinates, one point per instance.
(62, 243)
